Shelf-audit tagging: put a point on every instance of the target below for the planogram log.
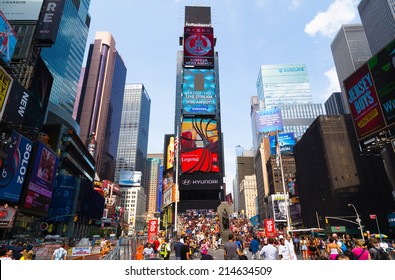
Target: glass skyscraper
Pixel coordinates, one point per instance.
(378, 19)
(64, 60)
(334, 104)
(279, 84)
(133, 137)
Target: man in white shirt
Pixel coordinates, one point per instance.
(269, 252)
(291, 248)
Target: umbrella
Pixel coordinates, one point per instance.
(376, 235)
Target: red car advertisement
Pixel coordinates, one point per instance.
(363, 101)
(199, 146)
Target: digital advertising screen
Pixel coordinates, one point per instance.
(130, 178)
(198, 92)
(21, 10)
(8, 39)
(5, 87)
(61, 207)
(198, 47)
(382, 67)
(13, 169)
(363, 102)
(42, 180)
(49, 21)
(199, 146)
(286, 141)
(269, 120)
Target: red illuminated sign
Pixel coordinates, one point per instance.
(199, 47)
(152, 230)
(269, 227)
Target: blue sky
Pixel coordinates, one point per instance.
(249, 33)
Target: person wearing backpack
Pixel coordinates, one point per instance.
(164, 249)
(376, 252)
(60, 253)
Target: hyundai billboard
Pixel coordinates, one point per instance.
(42, 179)
(199, 146)
(269, 120)
(200, 182)
(382, 67)
(13, 169)
(364, 104)
(286, 142)
(198, 47)
(8, 39)
(198, 92)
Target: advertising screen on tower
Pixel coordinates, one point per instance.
(382, 67)
(198, 47)
(8, 39)
(364, 104)
(199, 146)
(198, 92)
(42, 179)
(5, 87)
(49, 21)
(286, 141)
(13, 169)
(130, 178)
(21, 10)
(269, 120)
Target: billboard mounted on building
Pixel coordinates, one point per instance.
(382, 67)
(286, 141)
(28, 10)
(364, 104)
(13, 170)
(200, 181)
(198, 92)
(5, 87)
(49, 21)
(8, 39)
(269, 120)
(130, 178)
(199, 146)
(198, 47)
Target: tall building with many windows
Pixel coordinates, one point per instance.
(100, 100)
(153, 183)
(378, 19)
(133, 137)
(133, 201)
(350, 50)
(64, 60)
(334, 105)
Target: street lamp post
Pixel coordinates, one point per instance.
(358, 220)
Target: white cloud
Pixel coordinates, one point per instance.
(329, 22)
(260, 3)
(334, 86)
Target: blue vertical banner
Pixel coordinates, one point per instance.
(160, 189)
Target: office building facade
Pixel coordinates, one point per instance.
(153, 183)
(378, 19)
(334, 105)
(101, 98)
(133, 137)
(350, 50)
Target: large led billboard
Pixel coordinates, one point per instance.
(364, 104)
(199, 146)
(286, 143)
(61, 207)
(13, 170)
(382, 67)
(8, 39)
(5, 87)
(269, 120)
(198, 92)
(49, 21)
(130, 178)
(21, 10)
(198, 47)
(42, 178)
(200, 181)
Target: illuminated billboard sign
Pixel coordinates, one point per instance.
(198, 92)
(130, 178)
(13, 169)
(42, 179)
(199, 146)
(201, 181)
(21, 10)
(5, 87)
(382, 67)
(198, 47)
(269, 120)
(286, 142)
(8, 39)
(49, 21)
(364, 104)
(62, 200)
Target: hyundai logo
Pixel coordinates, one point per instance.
(186, 182)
